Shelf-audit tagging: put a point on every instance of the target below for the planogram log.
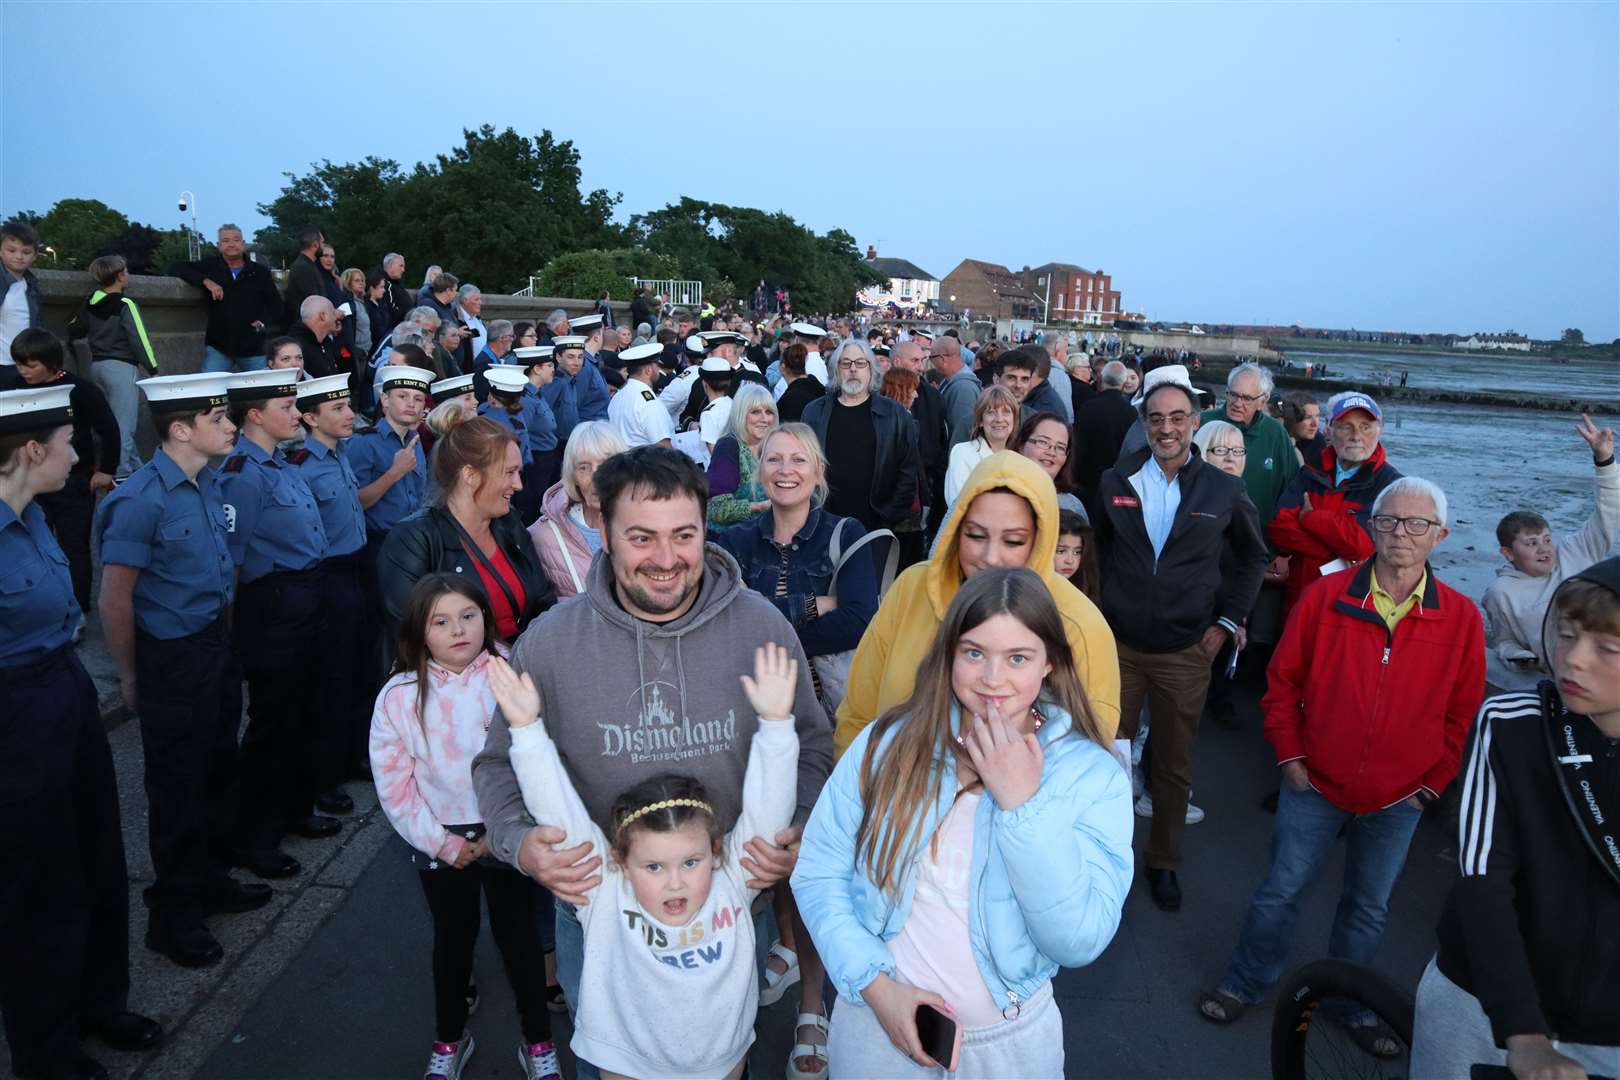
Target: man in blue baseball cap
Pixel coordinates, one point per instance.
(1322, 517)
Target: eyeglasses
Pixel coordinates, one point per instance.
(1249, 399)
(1414, 526)
(1175, 419)
(1047, 444)
(853, 365)
(1227, 451)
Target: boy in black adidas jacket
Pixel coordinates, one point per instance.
(1529, 959)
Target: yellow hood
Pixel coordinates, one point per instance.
(1017, 474)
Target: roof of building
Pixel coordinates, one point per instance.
(1003, 280)
(900, 268)
(1062, 268)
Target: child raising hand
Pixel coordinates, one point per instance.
(668, 986)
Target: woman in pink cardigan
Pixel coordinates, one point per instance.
(568, 532)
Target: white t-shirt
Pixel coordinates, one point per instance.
(655, 999)
(13, 315)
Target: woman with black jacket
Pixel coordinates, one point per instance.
(1529, 958)
(468, 528)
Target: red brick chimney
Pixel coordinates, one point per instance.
(871, 252)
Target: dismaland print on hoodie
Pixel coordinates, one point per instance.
(625, 699)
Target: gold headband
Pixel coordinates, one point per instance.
(624, 823)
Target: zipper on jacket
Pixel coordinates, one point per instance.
(1386, 656)
(984, 933)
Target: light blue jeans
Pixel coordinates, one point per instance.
(116, 379)
(1306, 830)
(214, 360)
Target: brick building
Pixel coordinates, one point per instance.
(989, 290)
(1066, 292)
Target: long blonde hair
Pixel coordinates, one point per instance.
(896, 797)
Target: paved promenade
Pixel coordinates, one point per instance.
(331, 979)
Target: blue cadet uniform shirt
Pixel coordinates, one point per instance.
(540, 420)
(563, 397)
(591, 390)
(173, 531)
(332, 481)
(513, 422)
(38, 611)
(370, 453)
(270, 513)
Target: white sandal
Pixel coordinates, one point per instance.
(778, 983)
(807, 1050)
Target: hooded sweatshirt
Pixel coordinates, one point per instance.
(626, 700)
(1516, 603)
(884, 670)
(112, 327)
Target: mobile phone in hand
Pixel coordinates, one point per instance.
(940, 1035)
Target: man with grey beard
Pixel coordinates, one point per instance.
(870, 442)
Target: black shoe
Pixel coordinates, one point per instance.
(189, 946)
(267, 863)
(1165, 889)
(316, 827)
(336, 801)
(232, 897)
(125, 1031)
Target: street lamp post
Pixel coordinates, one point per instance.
(193, 237)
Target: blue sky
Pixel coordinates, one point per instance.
(1386, 166)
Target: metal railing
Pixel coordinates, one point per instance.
(527, 290)
(683, 293)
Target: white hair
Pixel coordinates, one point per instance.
(1113, 375)
(313, 306)
(748, 396)
(424, 317)
(392, 257)
(1267, 384)
(432, 272)
(1413, 485)
(1216, 429)
(596, 440)
(467, 290)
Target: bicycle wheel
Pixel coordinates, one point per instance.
(1310, 1042)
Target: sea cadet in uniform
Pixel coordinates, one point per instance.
(327, 414)
(511, 406)
(590, 388)
(167, 584)
(564, 391)
(389, 463)
(810, 335)
(544, 449)
(715, 379)
(278, 543)
(677, 390)
(456, 388)
(64, 909)
(635, 411)
(728, 346)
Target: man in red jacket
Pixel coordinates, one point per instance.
(1322, 516)
(1371, 694)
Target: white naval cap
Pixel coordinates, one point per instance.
(586, 323)
(35, 408)
(454, 386)
(636, 355)
(805, 329)
(262, 385)
(713, 365)
(922, 332)
(506, 378)
(185, 393)
(711, 338)
(569, 341)
(314, 392)
(404, 377)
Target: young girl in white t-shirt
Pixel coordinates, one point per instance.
(668, 986)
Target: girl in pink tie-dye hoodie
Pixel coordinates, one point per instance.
(430, 720)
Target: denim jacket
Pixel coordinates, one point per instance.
(1048, 879)
(809, 569)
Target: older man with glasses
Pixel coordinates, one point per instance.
(1271, 463)
(1372, 691)
(873, 460)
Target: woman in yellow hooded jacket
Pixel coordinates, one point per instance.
(1006, 515)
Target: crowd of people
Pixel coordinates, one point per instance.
(632, 626)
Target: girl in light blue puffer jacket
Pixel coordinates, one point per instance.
(970, 842)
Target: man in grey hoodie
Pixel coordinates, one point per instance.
(639, 675)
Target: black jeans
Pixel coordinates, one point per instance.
(68, 512)
(345, 729)
(514, 918)
(64, 889)
(190, 696)
(280, 628)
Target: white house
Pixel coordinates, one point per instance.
(910, 287)
(1510, 341)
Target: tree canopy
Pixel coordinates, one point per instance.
(80, 230)
(492, 210)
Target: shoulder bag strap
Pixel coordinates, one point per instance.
(891, 565)
(470, 546)
(562, 546)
